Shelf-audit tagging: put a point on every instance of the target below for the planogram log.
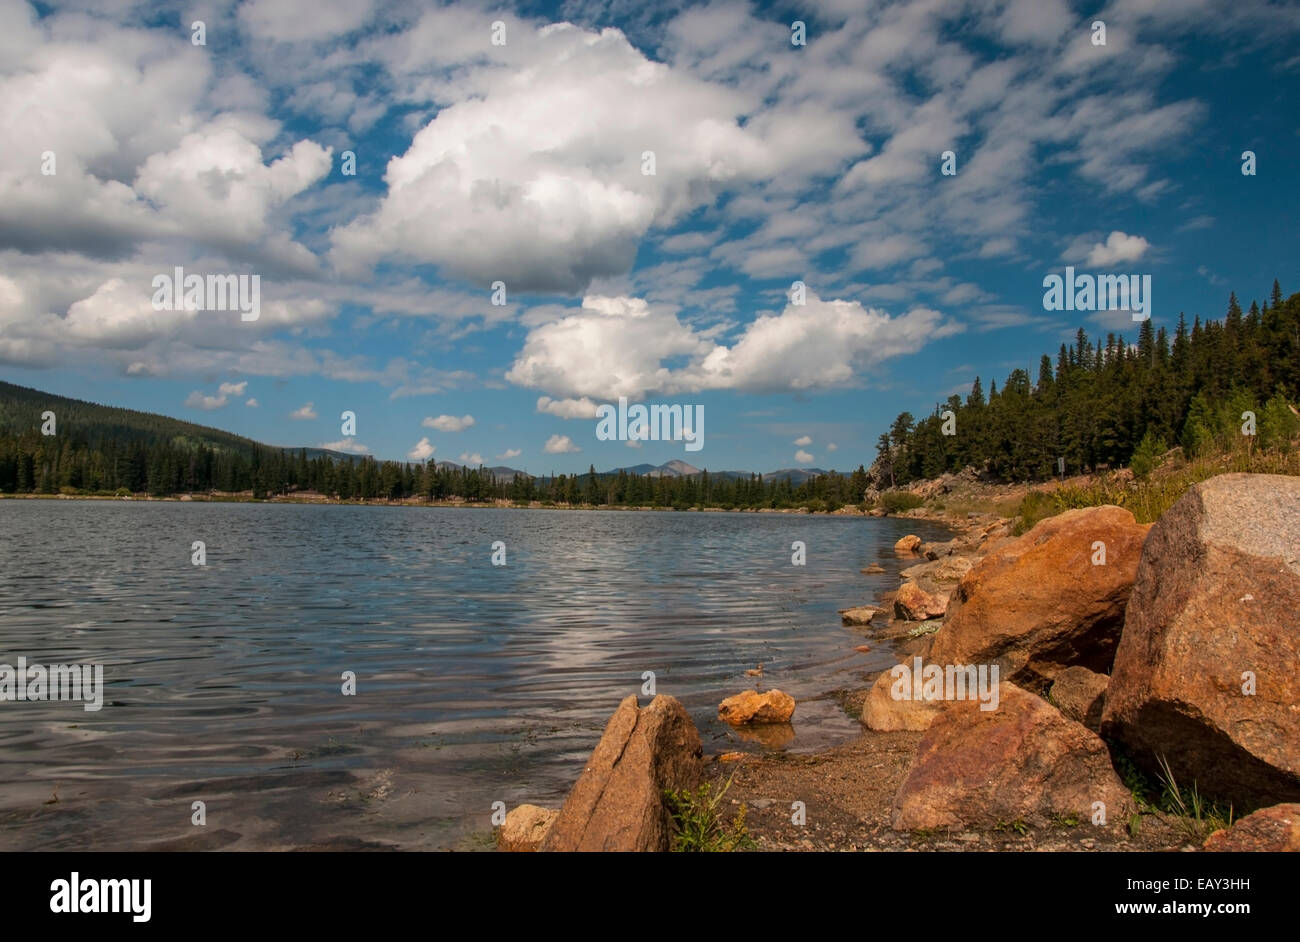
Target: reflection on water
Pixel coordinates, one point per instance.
(474, 683)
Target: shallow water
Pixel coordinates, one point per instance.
(474, 683)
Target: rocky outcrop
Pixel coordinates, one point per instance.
(1205, 675)
(1051, 599)
(913, 603)
(1023, 761)
(617, 803)
(751, 707)
(1269, 829)
(525, 828)
(1080, 695)
(909, 545)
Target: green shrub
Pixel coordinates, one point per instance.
(898, 501)
(697, 826)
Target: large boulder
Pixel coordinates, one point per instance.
(617, 803)
(525, 828)
(1047, 601)
(773, 706)
(1080, 695)
(1206, 674)
(1023, 761)
(1269, 829)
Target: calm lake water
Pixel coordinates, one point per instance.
(474, 683)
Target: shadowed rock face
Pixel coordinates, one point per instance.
(1022, 761)
(1042, 603)
(1080, 695)
(1217, 596)
(617, 803)
(1269, 829)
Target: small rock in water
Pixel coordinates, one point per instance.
(754, 707)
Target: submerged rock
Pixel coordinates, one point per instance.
(860, 615)
(909, 545)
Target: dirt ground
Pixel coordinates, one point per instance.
(848, 795)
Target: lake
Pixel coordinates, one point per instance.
(474, 683)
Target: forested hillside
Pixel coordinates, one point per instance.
(102, 450)
(1104, 401)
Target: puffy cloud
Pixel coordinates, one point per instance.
(622, 346)
(298, 20)
(422, 450)
(537, 178)
(1118, 248)
(803, 457)
(560, 445)
(197, 400)
(448, 423)
(803, 440)
(305, 413)
(349, 445)
(582, 408)
(233, 389)
(470, 458)
(252, 403)
(509, 453)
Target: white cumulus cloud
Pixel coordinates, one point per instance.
(422, 450)
(448, 423)
(303, 414)
(560, 445)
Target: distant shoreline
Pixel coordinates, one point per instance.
(471, 505)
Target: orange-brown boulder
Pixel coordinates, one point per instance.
(1023, 761)
(1051, 599)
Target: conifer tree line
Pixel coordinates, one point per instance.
(99, 449)
(1105, 403)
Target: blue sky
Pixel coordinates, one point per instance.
(523, 163)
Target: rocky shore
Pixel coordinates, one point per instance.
(1095, 684)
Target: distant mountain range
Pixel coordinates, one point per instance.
(21, 408)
